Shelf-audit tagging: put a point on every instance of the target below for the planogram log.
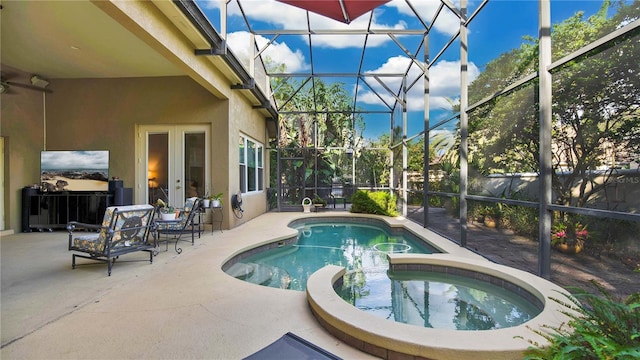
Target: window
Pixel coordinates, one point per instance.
(251, 165)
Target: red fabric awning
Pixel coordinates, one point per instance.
(341, 10)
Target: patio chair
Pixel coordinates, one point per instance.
(124, 229)
(184, 224)
(338, 195)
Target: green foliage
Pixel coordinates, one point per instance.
(601, 327)
(317, 200)
(494, 210)
(415, 150)
(595, 103)
(415, 198)
(376, 202)
(318, 118)
(217, 196)
(522, 220)
(609, 235)
(373, 163)
(435, 201)
(164, 207)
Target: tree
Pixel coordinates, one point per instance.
(596, 105)
(316, 119)
(373, 162)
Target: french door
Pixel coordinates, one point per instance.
(173, 163)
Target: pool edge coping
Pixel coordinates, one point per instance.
(383, 337)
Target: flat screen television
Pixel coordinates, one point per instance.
(74, 171)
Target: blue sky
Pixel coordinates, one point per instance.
(500, 27)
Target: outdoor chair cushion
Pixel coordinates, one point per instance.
(132, 216)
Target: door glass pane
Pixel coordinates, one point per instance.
(158, 167)
(194, 154)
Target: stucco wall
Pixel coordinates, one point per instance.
(102, 114)
(242, 120)
(21, 119)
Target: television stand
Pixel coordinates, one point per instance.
(47, 211)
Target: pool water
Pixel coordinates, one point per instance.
(428, 299)
(357, 247)
(436, 300)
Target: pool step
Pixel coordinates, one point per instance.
(253, 273)
(240, 270)
(260, 274)
(280, 278)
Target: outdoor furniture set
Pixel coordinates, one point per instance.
(127, 229)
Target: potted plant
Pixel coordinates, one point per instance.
(318, 201)
(492, 216)
(568, 237)
(167, 212)
(216, 200)
(306, 205)
(206, 201)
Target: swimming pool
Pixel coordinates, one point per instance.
(429, 299)
(357, 246)
(390, 339)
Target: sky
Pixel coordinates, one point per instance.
(498, 28)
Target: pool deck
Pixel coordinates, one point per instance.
(180, 307)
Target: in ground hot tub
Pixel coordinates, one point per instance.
(390, 339)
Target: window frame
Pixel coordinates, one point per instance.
(250, 181)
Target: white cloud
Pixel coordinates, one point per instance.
(447, 23)
(444, 83)
(444, 76)
(280, 53)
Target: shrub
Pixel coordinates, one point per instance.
(377, 202)
(601, 327)
(415, 198)
(522, 220)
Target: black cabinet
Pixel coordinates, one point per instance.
(48, 211)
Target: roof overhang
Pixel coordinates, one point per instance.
(101, 39)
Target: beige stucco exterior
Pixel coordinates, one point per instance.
(105, 113)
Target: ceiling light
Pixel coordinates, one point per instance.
(39, 82)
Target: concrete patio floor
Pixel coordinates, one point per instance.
(180, 307)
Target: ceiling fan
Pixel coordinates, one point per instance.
(37, 84)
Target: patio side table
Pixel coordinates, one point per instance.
(214, 219)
